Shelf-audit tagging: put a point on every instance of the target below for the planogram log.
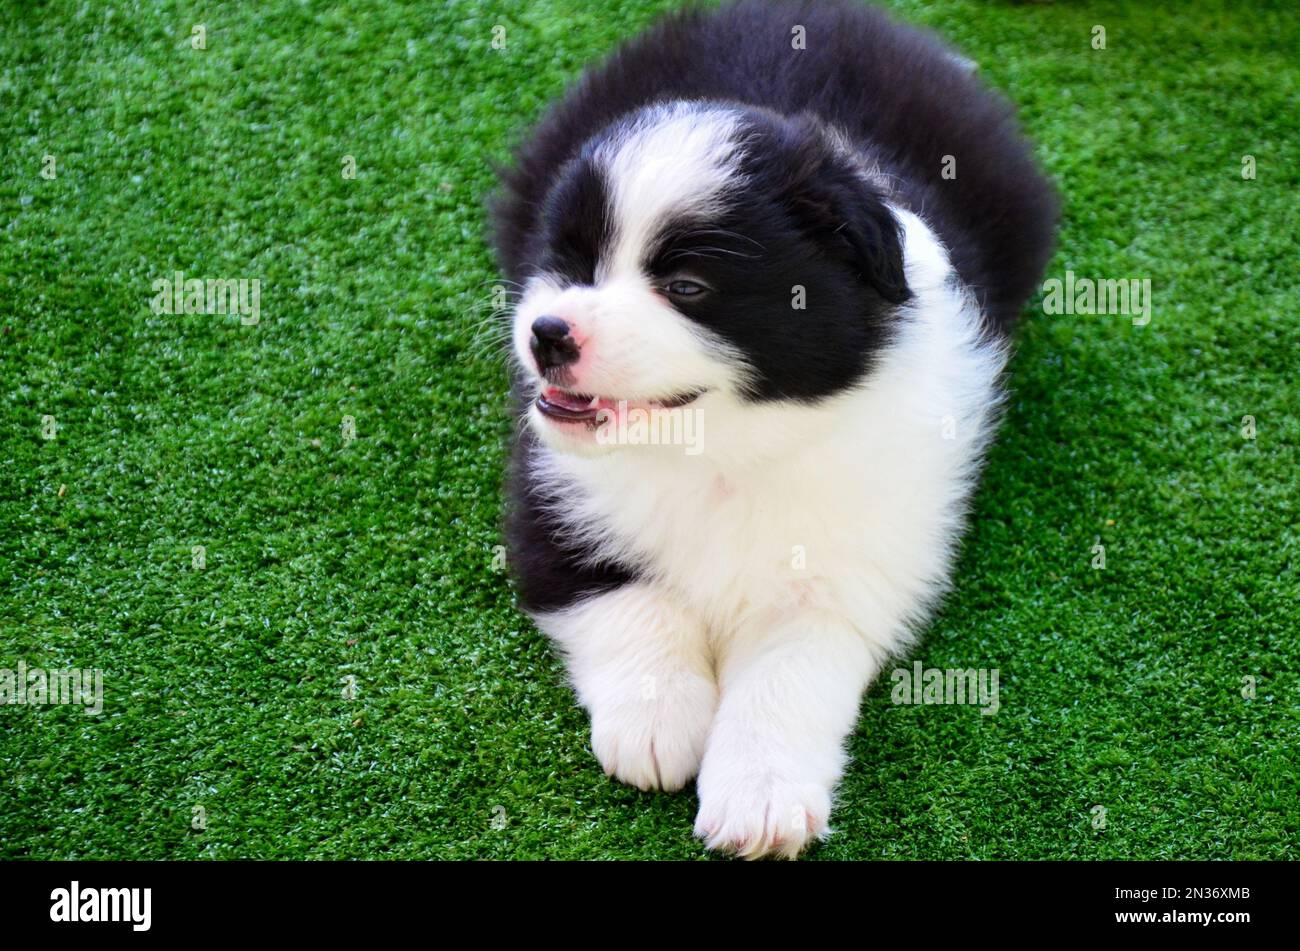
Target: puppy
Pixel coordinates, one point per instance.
(767, 257)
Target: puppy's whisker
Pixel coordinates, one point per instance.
(706, 252)
(499, 280)
(721, 233)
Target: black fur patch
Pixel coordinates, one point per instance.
(804, 262)
(550, 571)
(575, 224)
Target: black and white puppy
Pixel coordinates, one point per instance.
(792, 238)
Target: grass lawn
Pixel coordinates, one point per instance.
(346, 677)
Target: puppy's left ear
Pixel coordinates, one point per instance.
(876, 240)
(849, 215)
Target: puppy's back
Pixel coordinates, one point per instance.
(898, 93)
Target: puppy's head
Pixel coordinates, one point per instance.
(698, 255)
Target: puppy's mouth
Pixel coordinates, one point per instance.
(568, 406)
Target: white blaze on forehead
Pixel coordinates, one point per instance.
(673, 160)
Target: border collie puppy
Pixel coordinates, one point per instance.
(768, 258)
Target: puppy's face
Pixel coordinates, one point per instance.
(697, 256)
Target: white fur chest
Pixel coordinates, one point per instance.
(853, 505)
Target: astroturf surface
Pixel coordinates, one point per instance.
(341, 672)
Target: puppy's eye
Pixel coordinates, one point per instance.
(684, 288)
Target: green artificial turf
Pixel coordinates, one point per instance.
(227, 688)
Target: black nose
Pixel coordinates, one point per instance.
(551, 344)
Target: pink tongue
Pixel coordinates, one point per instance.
(568, 400)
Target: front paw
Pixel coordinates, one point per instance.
(652, 734)
(752, 811)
